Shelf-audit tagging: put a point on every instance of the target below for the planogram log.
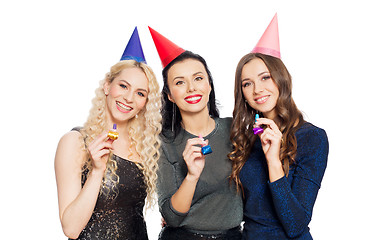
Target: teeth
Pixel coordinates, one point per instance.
(193, 98)
(124, 106)
(262, 99)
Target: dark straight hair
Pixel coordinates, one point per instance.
(171, 116)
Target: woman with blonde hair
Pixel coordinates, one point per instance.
(102, 182)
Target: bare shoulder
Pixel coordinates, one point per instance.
(72, 137)
(70, 149)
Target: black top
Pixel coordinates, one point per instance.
(119, 215)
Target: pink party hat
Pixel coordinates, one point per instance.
(269, 44)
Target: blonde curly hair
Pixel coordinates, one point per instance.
(143, 130)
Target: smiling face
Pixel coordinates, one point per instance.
(189, 86)
(258, 88)
(126, 94)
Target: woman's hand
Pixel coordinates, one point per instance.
(195, 161)
(99, 150)
(193, 157)
(271, 144)
(270, 139)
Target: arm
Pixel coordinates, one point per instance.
(175, 199)
(76, 204)
(294, 201)
(271, 144)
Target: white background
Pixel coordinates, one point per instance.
(54, 53)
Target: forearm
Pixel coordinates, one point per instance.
(182, 199)
(293, 208)
(77, 214)
(275, 170)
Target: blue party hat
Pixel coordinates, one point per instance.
(133, 49)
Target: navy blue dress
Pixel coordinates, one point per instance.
(283, 209)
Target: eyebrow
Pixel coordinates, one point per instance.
(194, 74)
(178, 77)
(262, 73)
(139, 89)
(200, 72)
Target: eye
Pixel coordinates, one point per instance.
(246, 84)
(199, 78)
(141, 94)
(123, 86)
(179, 82)
(266, 77)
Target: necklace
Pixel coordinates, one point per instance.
(206, 149)
(202, 132)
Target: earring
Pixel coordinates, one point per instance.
(174, 116)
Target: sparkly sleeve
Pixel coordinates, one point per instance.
(294, 199)
(167, 186)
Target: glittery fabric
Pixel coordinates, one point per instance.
(120, 217)
(283, 209)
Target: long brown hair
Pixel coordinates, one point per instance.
(289, 118)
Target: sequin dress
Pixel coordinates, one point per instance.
(283, 209)
(121, 217)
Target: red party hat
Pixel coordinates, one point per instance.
(269, 44)
(167, 50)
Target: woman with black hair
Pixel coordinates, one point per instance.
(195, 196)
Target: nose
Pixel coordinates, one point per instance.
(129, 96)
(191, 86)
(258, 87)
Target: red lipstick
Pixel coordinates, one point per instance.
(193, 99)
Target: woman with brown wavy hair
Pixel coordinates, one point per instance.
(279, 170)
(103, 182)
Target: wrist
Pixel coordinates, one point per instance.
(191, 178)
(97, 172)
(276, 171)
(274, 163)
